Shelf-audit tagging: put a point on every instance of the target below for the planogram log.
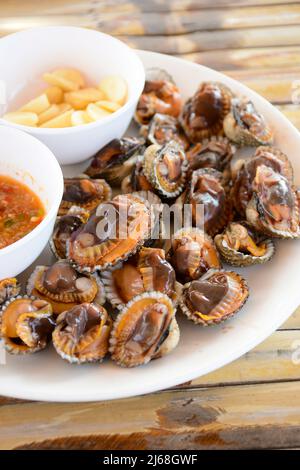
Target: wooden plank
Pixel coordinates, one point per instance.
(219, 39)
(252, 416)
(276, 359)
(283, 59)
(293, 322)
(141, 23)
(26, 7)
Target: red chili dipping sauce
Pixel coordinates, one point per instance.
(21, 210)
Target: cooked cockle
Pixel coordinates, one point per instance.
(203, 114)
(64, 287)
(163, 128)
(244, 173)
(137, 180)
(65, 225)
(244, 125)
(82, 333)
(146, 271)
(273, 208)
(241, 246)
(192, 253)
(116, 160)
(215, 297)
(209, 203)
(160, 95)
(115, 232)
(216, 153)
(26, 325)
(165, 167)
(141, 328)
(84, 192)
(9, 288)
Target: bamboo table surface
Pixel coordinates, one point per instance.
(253, 402)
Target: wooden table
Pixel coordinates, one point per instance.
(255, 401)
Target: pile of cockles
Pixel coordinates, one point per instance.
(110, 295)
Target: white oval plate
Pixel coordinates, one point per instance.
(274, 294)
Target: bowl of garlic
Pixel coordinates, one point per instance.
(74, 89)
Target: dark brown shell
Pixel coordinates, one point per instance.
(192, 253)
(84, 192)
(209, 202)
(273, 208)
(203, 114)
(215, 153)
(26, 325)
(82, 333)
(215, 297)
(65, 225)
(141, 328)
(103, 241)
(244, 125)
(62, 286)
(160, 95)
(116, 160)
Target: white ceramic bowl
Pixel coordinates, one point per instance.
(26, 159)
(26, 55)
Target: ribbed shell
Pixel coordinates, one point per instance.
(233, 301)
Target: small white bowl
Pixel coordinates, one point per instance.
(28, 160)
(26, 55)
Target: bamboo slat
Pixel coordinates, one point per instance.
(219, 39)
(222, 417)
(171, 23)
(26, 7)
(284, 59)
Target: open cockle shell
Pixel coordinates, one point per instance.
(162, 129)
(84, 192)
(221, 294)
(206, 189)
(160, 95)
(89, 253)
(273, 208)
(26, 324)
(244, 125)
(147, 271)
(65, 225)
(238, 246)
(216, 152)
(64, 287)
(244, 173)
(165, 167)
(137, 180)
(141, 328)
(9, 288)
(116, 160)
(82, 333)
(203, 114)
(192, 253)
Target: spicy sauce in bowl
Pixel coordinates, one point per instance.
(21, 210)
